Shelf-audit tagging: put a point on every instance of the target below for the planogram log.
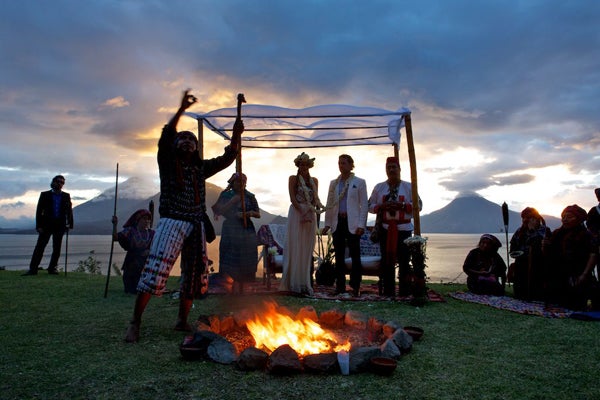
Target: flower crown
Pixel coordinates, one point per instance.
(303, 157)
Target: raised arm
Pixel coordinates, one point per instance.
(186, 102)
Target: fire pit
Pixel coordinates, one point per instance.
(275, 339)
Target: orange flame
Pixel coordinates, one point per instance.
(272, 329)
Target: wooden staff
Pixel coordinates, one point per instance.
(238, 161)
(112, 236)
(151, 209)
(505, 218)
(66, 250)
(413, 174)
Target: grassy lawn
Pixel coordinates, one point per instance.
(61, 339)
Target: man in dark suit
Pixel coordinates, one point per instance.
(54, 216)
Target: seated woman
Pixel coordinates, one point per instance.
(135, 238)
(485, 268)
(238, 255)
(571, 258)
(526, 272)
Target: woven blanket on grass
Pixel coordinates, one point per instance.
(512, 304)
(368, 292)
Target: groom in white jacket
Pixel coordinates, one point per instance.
(346, 216)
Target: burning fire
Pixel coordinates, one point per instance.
(272, 329)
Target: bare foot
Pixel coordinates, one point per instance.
(133, 333)
(183, 326)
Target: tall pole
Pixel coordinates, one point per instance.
(66, 250)
(151, 209)
(505, 218)
(413, 173)
(238, 161)
(201, 138)
(113, 234)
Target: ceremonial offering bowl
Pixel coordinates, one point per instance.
(414, 331)
(383, 365)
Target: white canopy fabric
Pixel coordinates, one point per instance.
(329, 125)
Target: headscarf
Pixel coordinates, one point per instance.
(226, 195)
(579, 213)
(182, 134)
(303, 157)
(530, 212)
(392, 160)
(135, 218)
(495, 241)
(236, 176)
(233, 178)
(179, 168)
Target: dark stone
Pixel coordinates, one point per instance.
(333, 319)
(202, 323)
(284, 361)
(221, 351)
(403, 340)
(227, 323)
(204, 319)
(202, 339)
(390, 327)
(389, 349)
(252, 359)
(356, 319)
(307, 312)
(325, 363)
(215, 324)
(360, 359)
(375, 325)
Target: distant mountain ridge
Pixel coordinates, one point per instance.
(474, 214)
(87, 215)
(94, 216)
(465, 214)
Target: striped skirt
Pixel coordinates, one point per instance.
(172, 238)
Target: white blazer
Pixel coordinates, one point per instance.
(356, 204)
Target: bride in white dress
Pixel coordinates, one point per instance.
(301, 228)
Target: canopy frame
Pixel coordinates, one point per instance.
(288, 134)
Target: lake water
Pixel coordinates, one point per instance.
(445, 253)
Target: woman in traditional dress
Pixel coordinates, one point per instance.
(526, 272)
(301, 228)
(237, 250)
(135, 238)
(571, 257)
(485, 269)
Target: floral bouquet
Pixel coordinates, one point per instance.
(325, 257)
(417, 246)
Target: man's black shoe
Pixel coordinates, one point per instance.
(29, 273)
(340, 291)
(52, 271)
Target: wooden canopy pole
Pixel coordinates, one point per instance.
(413, 174)
(238, 161)
(201, 138)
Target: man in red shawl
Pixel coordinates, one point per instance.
(392, 201)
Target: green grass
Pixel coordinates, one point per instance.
(61, 339)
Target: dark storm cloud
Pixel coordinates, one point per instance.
(518, 81)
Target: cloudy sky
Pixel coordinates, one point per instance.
(503, 94)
